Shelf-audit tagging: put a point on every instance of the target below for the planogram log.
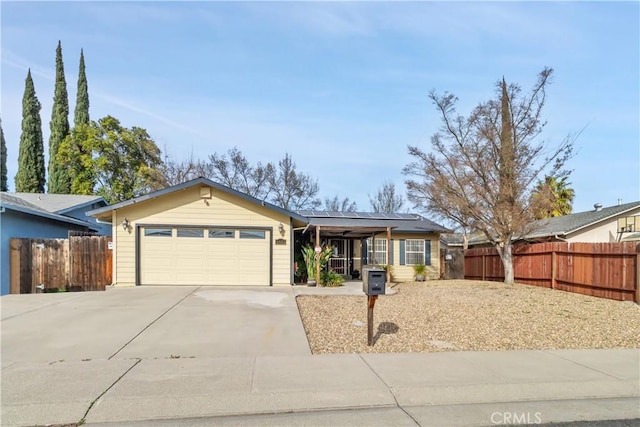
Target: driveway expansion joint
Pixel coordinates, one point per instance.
(39, 308)
(390, 390)
(583, 365)
(153, 321)
(84, 417)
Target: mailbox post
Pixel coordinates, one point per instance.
(374, 282)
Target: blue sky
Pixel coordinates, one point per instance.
(343, 87)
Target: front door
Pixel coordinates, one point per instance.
(339, 261)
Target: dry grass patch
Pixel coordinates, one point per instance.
(467, 315)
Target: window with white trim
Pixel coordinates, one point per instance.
(414, 252)
(381, 251)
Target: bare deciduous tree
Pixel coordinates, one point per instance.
(482, 168)
(386, 199)
(234, 170)
(175, 172)
(291, 189)
(282, 185)
(338, 205)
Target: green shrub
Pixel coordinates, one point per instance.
(331, 279)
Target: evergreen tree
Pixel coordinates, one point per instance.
(30, 176)
(4, 186)
(58, 181)
(81, 116)
(553, 197)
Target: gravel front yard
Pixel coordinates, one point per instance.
(464, 315)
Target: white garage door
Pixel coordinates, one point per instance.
(204, 256)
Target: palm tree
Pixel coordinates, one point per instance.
(553, 197)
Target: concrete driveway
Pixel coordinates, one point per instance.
(151, 322)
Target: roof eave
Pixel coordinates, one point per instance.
(602, 219)
(47, 215)
(189, 184)
(81, 205)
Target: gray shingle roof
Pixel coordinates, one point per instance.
(11, 201)
(567, 224)
(56, 203)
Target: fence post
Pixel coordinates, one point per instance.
(554, 268)
(484, 267)
(15, 269)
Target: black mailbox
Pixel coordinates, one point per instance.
(374, 281)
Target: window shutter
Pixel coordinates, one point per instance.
(402, 254)
(427, 252)
(391, 249)
(365, 253)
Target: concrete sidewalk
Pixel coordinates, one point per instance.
(454, 388)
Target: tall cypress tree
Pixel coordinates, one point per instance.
(81, 116)
(30, 176)
(4, 186)
(58, 181)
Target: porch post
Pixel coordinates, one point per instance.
(373, 249)
(317, 256)
(388, 254)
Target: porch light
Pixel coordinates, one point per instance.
(125, 224)
(281, 229)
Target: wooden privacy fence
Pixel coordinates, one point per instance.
(79, 263)
(606, 270)
(452, 263)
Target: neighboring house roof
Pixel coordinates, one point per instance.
(18, 204)
(567, 224)
(58, 203)
(192, 183)
(369, 222)
(457, 239)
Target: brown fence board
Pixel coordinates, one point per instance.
(77, 263)
(49, 257)
(90, 262)
(606, 270)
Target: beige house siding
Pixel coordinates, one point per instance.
(601, 232)
(404, 273)
(186, 207)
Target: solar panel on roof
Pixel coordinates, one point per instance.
(361, 215)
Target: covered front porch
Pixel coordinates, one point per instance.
(355, 247)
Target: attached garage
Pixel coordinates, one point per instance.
(201, 233)
(204, 255)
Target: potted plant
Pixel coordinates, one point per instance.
(419, 270)
(309, 256)
(311, 260)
